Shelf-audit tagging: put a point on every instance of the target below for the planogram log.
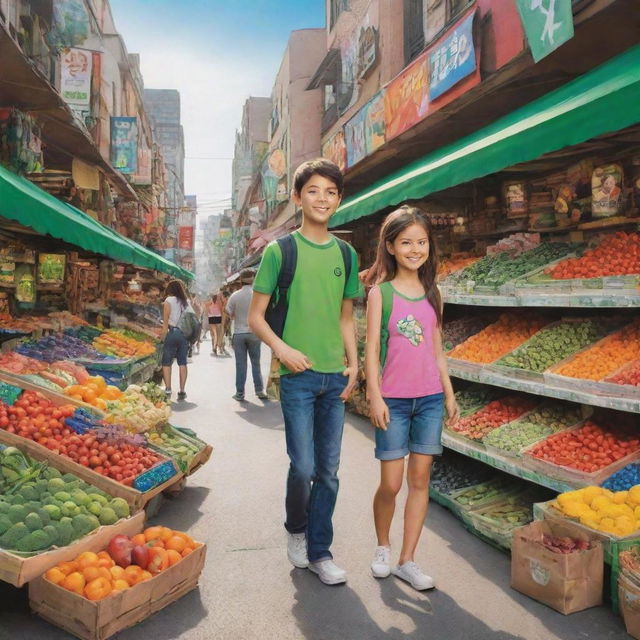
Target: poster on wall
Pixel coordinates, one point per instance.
(75, 76)
(69, 24)
(354, 138)
(453, 59)
(335, 150)
(406, 98)
(547, 25)
(185, 238)
(124, 143)
(374, 127)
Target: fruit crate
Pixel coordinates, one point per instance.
(102, 619)
(537, 282)
(497, 489)
(198, 451)
(18, 570)
(572, 476)
(629, 391)
(594, 387)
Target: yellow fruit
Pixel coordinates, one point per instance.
(576, 509)
(570, 496)
(589, 522)
(607, 522)
(625, 525)
(620, 497)
(615, 510)
(599, 502)
(633, 496)
(608, 493)
(636, 513)
(590, 493)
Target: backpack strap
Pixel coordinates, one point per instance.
(347, 257)
(386, 290)
(289, 252)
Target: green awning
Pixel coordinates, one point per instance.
(603, 100)
(26, 203)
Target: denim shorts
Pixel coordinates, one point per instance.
(415, 425)
(175, 346)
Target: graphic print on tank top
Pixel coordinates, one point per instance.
(411, 329)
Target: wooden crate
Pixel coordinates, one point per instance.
(100, 620)
(18, 571)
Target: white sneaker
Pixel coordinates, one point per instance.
(411, 573)
(380, 564)
(297, 550)
(328, 571)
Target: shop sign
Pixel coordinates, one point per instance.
(367, 51)
(453, 59)
(406, 98)
(547, 23)
(354, 138)
(335, 149)
(124, 143)
(374, 127)
(75, 76)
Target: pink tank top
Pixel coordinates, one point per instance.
(410, 370)
(214, 309)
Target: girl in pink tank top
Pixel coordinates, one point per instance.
(408, 385)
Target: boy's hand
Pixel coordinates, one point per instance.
(352, 373)
(379, 413)
(293, 360)
(453, 411)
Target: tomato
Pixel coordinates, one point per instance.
(158, 560)
(98, 589)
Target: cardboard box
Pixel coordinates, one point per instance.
(565, 582)
(629, 600)
(17, 570)
(99, 620)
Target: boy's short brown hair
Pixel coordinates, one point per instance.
(321, 167)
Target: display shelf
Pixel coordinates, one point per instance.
(539, 388)
(503, 463)
(523, 299)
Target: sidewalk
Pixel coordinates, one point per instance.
(249, 590)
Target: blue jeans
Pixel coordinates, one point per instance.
(175, 346)
(244, 343)
(313, 420)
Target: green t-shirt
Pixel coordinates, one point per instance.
(314, 299)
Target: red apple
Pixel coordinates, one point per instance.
(120, 549)
(140, 556)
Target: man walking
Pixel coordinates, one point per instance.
(244, 341)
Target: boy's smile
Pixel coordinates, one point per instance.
(319, 199)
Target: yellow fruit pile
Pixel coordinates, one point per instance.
(116, 344)
(616, 513)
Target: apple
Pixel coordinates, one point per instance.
(120, 549)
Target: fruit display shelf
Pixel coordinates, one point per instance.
(531, 298)
(504, 463)
(479, 373)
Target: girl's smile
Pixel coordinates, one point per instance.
(410, 248)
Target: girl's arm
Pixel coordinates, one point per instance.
(166, 312)
(348, 330)
(450, 402)
(379, 412)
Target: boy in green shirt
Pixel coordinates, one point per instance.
(314, 382)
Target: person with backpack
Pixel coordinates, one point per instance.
(408, 384)
(244, 341)
(302, 307)
(176, 323)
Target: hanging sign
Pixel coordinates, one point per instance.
(453, 59)
(547, 23)
(75, 76)
(124, 143)
(185, 238)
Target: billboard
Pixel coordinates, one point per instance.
(124, 143)
(75, 76)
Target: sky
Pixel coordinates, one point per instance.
(216, 53)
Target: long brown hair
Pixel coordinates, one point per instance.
(385, 266)
(175, 288)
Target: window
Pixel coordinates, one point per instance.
(337, 7)
(413, 29)
(439, 14)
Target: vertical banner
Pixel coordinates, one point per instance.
(124, 143)
(547, 23)
(75, 76)
(335, 150)
(354, 139)
(406, 98)
(185, 238)
(374, 128)
(453, 59)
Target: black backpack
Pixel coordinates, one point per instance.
(276, 313)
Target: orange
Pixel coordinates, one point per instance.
(138, 539)
(117, 573)
(104, 555)
(98, 381)
(55, 575)
(166, 534)
(68, 567)
(132, 574)
(187, 551)
(145, 575)
(98, 589)
(120, 585)
(105, 573)
(187, 538)
(152, 533)
(173, 556)
(111, 392)
(101, 404)
(74, 582)
(91, 573)
(73, 389)
(176, 543)
(89, 395)
(107, 563)
(87, 559)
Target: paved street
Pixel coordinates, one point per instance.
(248, 589)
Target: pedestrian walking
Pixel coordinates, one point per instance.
(244, 341)
(214, 313)
(195, 340)
(175, 347)
(408, 384)
(311, 344)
